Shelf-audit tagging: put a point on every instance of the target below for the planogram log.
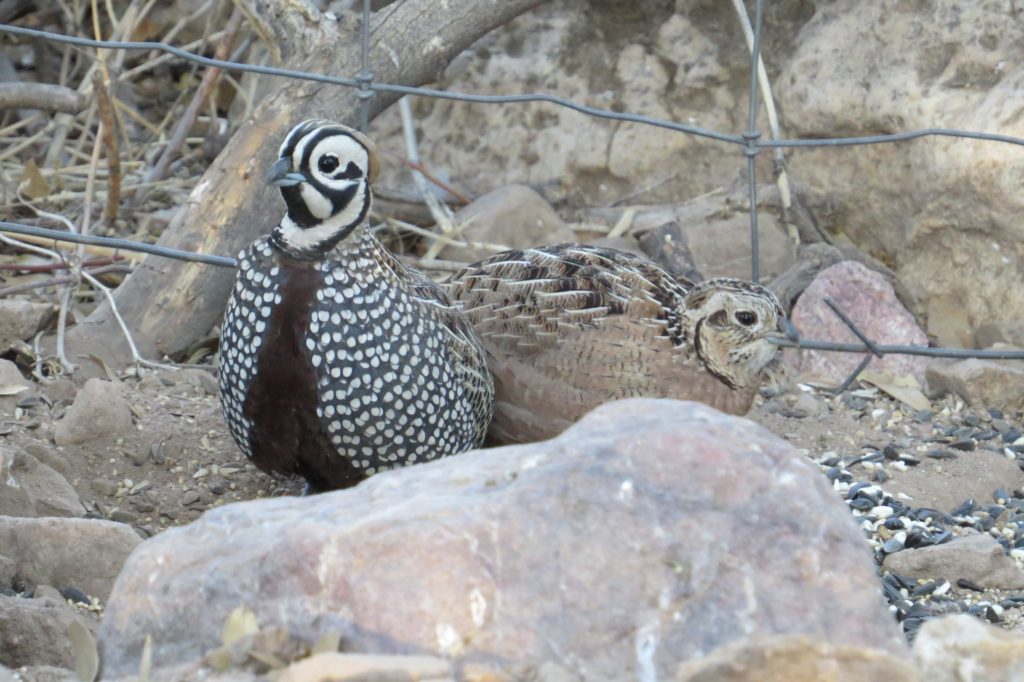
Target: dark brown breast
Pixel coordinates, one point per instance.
(287, 434)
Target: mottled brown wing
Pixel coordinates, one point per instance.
(522, 302)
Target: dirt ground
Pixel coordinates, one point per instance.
(179, 460)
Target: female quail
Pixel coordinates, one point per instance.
(337, 361)
(570, 327)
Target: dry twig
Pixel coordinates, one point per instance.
(45, 96)
(109, 139)
(203, 92)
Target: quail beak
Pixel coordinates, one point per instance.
(281, 175)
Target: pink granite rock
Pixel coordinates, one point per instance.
(650, 533)
(870, 302)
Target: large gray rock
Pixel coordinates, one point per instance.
(99, 411)
(82, 553)
(649, 533)
(865, 297)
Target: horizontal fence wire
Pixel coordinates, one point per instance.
(750, 140)
(225, 261)
(505, 99)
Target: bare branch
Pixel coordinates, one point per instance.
(44, 96)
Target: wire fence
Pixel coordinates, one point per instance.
(751, 141)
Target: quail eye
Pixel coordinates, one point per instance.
(746, 318)
(328, 163)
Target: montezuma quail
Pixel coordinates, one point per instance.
(338, 362)
(570, 327)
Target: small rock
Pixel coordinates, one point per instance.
(76, 595)
(514, 216)
(99, 412)
(48, 493)
(667, 246)
(86, 553)
(945, 647)
(11, 376)
(1010, 332)
(870, 301)
(20, 320)
(981, 383)
(47, 592)
(103, 486)
(122, 516)
(34, 632)
(141, 455)
(50, 457)
(201, 379)
(804, 405)
(979, 559)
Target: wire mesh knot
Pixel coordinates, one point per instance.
(750, 146)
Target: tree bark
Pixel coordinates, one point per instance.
(169, 305)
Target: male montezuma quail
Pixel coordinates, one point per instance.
(570, 327)
(338, 362)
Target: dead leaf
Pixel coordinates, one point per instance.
(240, 622)
(219, 659)
(146, 662)
(328, 643)
(106, 368)
(87, 658)
(12, 389)
(902, 387)
(32, 183)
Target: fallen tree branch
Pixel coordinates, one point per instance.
(169, 305)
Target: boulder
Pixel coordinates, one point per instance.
(82, 553)
(651, 532)
(977, 558)
(943, 212)
(961, 647)
(513, 217)
(981, 383)
(871, 303)
(99, 411)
